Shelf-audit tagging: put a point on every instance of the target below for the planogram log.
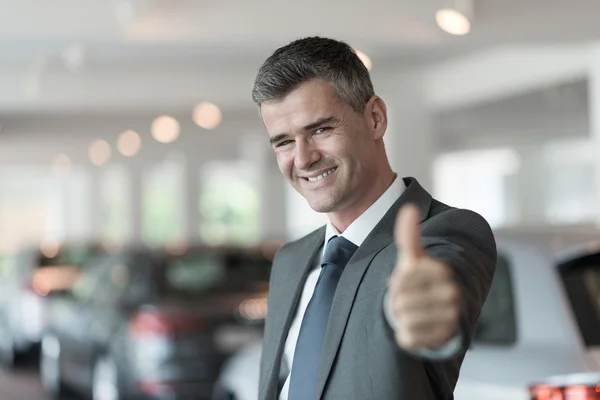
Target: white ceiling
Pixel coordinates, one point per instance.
(153, 54)
(556, 112)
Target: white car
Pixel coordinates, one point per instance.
(541, 320)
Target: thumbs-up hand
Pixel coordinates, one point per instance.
(425, 299)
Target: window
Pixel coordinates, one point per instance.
(5, 266)
(230, 204)
(476, 180)
(201, 272)
(27, 208)
(571, 197)
(116, 214)
(84, 288)
(196, 274)
(581, 279)
(36, 206)
(162, 203)
(497, 322)
(112, 283)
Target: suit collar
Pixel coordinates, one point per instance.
(382, 234)
(358, 230)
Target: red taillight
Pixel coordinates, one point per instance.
(581, 392)
(545, 392)
(572, 392)
(146, 323)
(154, 388)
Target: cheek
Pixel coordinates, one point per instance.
(285, 162)
(350, 153)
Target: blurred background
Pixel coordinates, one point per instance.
(141, 204)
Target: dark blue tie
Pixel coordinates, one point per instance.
(309, 347)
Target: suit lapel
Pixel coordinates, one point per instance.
(295, 269)
(379, 238)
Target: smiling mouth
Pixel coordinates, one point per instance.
(323, 175)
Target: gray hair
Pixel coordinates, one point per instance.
(311, 58)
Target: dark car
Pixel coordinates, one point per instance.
(26, 282)
(143, 324)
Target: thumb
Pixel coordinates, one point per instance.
(408, 236)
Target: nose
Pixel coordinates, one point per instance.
(305, 155)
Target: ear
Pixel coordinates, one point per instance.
(376, 116)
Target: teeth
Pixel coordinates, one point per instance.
(323, 175)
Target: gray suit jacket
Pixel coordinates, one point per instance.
(361, 360)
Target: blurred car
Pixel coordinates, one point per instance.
(27, 281)
(583, 386)
(240, 375)
(541, 319)
(144, 324)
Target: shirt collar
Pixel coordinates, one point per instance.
(358, 230)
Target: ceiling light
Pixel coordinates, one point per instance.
(456, 18)
(365, 59)
(99, 152)
(129, 143)
(207, 115)
(50, 248)
(165, 129)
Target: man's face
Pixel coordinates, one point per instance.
(323, 147)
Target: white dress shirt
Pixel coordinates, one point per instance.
(357, 232)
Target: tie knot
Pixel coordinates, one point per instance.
(338, 252)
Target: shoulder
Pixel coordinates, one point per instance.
(452, 217)
(299, 246)
(459, 224)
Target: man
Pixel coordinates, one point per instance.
(382, 302)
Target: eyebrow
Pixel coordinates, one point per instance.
(277, 138)
(319, 122)
(308, 127)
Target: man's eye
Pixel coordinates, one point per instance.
(321, 130)
(284, 143)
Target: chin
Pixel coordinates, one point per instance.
(322, 205)
(323, 210)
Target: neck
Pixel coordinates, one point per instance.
(342, 219)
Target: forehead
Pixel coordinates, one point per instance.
(311, 101)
